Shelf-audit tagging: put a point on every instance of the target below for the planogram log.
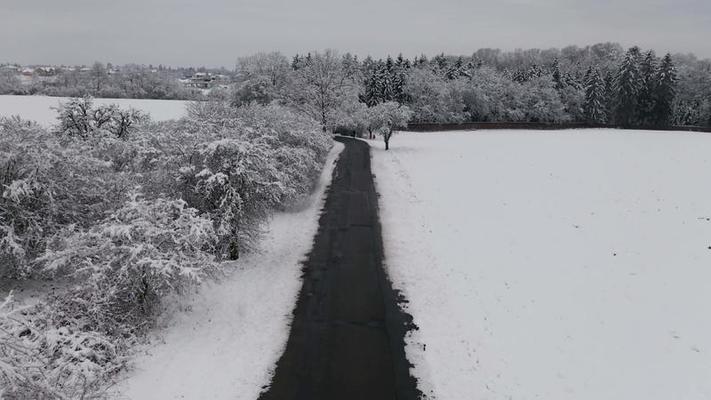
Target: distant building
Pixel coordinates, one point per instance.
(10, 68)
(46, 71)
(200, 80)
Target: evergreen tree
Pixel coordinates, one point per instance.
(557, 76)
(398, 79)
(387, 78)
(610, 97)
(646, 101)
(588, 75)
(456, 69)
(296, 62)
(519, 76)
(351, 66)
(628, 85)
(573, 81)
(389, 63)
(372, 85)
(441, 62)
(535, 71)
(400, 61)
(665, 91)
(594, 106)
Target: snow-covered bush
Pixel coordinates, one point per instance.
(46, 185)
(131, 259)
(49, 353)
(70, 346)
(236, 183)
(131, 219)
(300, 146)
(281, 127)
(256, 90)
(253, 160)
(208, 115)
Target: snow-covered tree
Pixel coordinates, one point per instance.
(141, 252)
(10, 83)
(628, 85)
(647, 95)
(272, 66)
(47, 185)
(665, 92)
(100, 75)
(556, 74)
(389, 117)
(595, 98)
(258, 89)
(79, 118)
(320, 88)
(433, 98)
(610, 97)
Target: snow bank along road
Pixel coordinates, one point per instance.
(347, 336)
(552, 265)
(235, 331)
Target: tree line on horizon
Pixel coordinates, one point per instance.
(638, 91)
(599, 85)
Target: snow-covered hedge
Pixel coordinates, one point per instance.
(131, 219)
(259, 158)
(47, 352)
(46, 185)
(140, 253)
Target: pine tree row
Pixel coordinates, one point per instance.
(641, 94)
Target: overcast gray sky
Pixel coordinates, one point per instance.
(215, 32)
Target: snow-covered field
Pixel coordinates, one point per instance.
(235, 331)
(39, 108)
(553, 265)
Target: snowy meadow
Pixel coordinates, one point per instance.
(571, 264)
(41, 109)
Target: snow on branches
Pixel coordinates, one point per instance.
(79, 118)
(131, 219)
(46, 353)
(260, 158)
(144, 249)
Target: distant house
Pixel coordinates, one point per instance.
(46, 71)
(27, 71)
(10, 68)
(200, 80)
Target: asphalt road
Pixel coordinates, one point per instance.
(346, 339)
